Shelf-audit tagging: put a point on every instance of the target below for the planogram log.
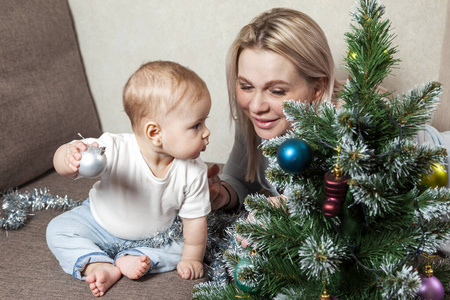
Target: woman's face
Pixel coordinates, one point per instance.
(265, 79)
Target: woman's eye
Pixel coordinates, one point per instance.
(245, 87)
(279, 92)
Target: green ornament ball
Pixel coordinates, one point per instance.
(248, 287)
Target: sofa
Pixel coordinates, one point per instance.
(45, 101)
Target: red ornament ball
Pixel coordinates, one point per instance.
(335, 189)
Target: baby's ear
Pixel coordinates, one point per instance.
(153, 132)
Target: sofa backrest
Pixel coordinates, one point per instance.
(44, 95)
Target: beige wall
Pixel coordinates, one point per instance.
(117, 36)
(442, 116)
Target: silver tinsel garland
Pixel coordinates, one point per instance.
(16, 207)
(161, 239)
(221, 239)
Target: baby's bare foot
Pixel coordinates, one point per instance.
(101, 276)
(134, 267)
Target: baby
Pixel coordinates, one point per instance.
(151, 176)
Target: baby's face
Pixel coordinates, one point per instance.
(184, 131)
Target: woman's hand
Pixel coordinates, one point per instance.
(214, 185)
(218, 195)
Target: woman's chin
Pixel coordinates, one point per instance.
(267, 134)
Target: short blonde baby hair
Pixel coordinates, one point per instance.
(158, 87)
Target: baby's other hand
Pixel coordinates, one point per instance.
(190, 269)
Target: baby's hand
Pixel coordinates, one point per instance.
(190, 269)
(73, 156)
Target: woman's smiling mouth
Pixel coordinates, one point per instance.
(264, 123)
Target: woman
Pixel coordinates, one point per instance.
(282, 54)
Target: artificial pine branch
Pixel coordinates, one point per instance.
(213, 291)
(283, 273)
(415, 108)
(319, 117)
(370, 50)
(441, 269)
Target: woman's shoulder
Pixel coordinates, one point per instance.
(430, 135)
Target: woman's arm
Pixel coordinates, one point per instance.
(433, 137)
(222, 195)
(230, 190)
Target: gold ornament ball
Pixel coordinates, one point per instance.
(352, 54)
(437, 178)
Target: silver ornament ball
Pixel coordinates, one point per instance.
(93, 162)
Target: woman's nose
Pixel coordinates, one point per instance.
(259, 103)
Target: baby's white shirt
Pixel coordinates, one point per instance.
(131, 203)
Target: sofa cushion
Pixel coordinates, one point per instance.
(44, 95)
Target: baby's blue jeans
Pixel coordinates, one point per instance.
(74, 236)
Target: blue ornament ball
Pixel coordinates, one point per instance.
(294, 156)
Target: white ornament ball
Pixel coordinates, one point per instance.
(93, 162)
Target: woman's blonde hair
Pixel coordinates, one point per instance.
(294, 36)
(157, 87)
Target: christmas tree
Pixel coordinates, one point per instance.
(360, 217)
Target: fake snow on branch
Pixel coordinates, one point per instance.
(320, 258)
